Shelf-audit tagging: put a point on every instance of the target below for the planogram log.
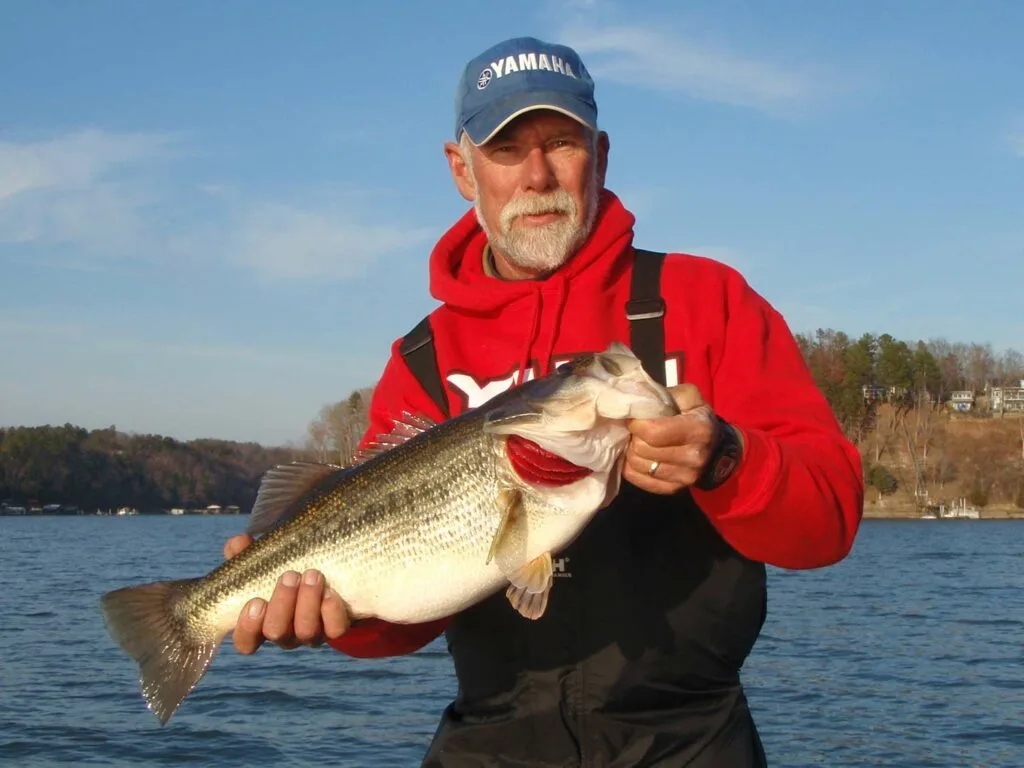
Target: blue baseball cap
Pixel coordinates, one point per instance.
(519, 75)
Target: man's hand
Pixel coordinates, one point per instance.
(676, 447)
(300, 612)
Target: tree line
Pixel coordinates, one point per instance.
(908, 438)
(105, 469)
(910, 373)
(905, 437)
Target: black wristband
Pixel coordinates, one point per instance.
(724, 458)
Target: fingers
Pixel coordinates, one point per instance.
(653, 484)
(687, 397)
(668, 454)
(278, 622)
(301, 611)
(676, 469)
(681, 464)
(308, 627)
(236, 544)
(334, 615)
(693, 426)
(681, 444)
(248, 633)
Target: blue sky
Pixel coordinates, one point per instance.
(215, 217)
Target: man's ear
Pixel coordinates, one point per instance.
(603, 145)
(460, 171)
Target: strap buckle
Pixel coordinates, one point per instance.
(645, 309)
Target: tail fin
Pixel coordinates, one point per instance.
(172, 650)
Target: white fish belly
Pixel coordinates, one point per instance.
(419, 590)
(437, 585)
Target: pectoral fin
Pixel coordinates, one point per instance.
(509, 502)
(530, 586)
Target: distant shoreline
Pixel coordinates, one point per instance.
(871, 512)
(910, 512)
(107, 513)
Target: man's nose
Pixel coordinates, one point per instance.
(538, 175)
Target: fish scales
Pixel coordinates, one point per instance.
(397, 514)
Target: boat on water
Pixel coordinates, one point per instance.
(958, 510)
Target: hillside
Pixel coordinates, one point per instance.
(927, 455)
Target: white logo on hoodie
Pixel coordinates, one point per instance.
(479, 392)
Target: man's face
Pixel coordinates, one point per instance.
(535, 187)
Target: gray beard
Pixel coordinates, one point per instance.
(545, 248)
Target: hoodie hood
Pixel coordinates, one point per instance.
(458, 279)
(457, 275)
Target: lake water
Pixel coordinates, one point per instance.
(909, 653)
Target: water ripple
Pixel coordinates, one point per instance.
(907, 654)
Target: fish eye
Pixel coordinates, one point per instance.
(610, 366)
(581, 363)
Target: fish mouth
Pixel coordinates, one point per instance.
(590, 390)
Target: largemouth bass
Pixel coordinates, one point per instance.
(432, 520)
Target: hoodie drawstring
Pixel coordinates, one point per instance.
(559, 293)
(524, 357)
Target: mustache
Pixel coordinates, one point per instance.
(558, 201)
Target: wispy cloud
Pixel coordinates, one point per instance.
(77, 160)
(278, 241)
(105, 195)
(663, 59)
(88, 188)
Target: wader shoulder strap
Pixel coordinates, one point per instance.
(417, 348)
(645, 311)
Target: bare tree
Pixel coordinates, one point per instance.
(1010, 368)
(334, 435)
(919, 428)
(885, 436)
(979, 365)
(317, 440)
(1020, 428)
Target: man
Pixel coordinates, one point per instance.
(637, 659)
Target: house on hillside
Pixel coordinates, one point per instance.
(1007, 399)
(872, 393)
(961, 400)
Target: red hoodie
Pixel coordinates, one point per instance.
(797, 497)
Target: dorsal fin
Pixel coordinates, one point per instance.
(281, 486)
(406, 427)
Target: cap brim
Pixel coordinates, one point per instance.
(483, 126)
